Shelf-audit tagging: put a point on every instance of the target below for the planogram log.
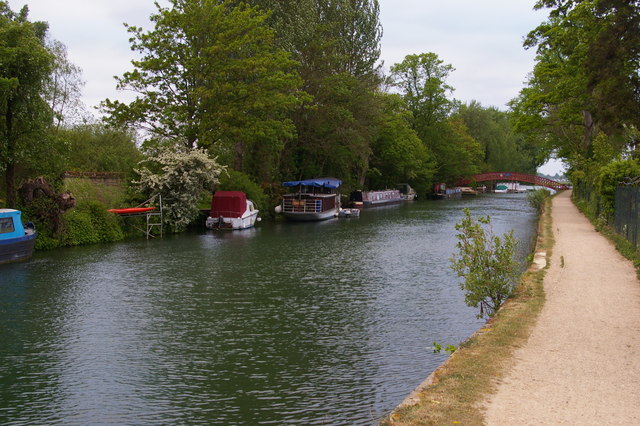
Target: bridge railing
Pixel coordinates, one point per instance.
(514, 177)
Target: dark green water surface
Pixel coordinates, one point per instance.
(287, 323)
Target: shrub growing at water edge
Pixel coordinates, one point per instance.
(486, 262)
(90, 223)
(537, 198)
(181, 178)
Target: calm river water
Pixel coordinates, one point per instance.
(299, 323)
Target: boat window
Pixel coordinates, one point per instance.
(6, 225)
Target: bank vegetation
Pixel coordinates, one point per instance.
(269, 90)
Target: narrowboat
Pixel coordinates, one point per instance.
(231, 210)
(16, 240)
(441, 192)
(376, 198)
(312, 199)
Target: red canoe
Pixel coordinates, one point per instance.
(132, 210)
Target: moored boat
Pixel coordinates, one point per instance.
(468, 190)
(441, 192)
(231, 210)
(347, 213)
(16, 240)
(376, 198)
(313, 199)
(408, 193)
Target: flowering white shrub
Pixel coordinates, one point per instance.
(181, 178)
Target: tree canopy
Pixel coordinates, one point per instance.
(211, 76)
(586, 77)
(24, 70)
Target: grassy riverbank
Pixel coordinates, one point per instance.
(455, 391)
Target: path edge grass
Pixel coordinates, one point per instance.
(456, 391)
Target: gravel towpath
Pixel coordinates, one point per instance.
(581, 364)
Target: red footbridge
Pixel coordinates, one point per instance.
(514, 177)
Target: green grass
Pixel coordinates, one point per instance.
(112, 196)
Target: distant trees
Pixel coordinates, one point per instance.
(503, 148)
(398, 154)
(422, 79)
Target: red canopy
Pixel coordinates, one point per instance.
(228, 204)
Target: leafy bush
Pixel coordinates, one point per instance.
(486, 262)
(232, 180)
(78, 229)
(610, 176)
(90, 223)
(536, 198)
(181, 178)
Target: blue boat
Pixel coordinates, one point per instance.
(313, 199)
(16, 241)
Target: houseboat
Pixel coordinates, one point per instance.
(231, 210)
(16, 240)
(376, 198)
(441, 192)
(311, 199)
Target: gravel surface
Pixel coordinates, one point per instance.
(581, 364)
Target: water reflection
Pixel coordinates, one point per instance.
(308, 323)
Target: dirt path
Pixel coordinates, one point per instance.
(581, 364)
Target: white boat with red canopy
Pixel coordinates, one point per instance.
(231, 210)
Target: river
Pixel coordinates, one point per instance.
(286, 323)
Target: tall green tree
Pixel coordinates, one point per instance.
(586, 75)
(422, 80)
(337, 44)
(211, 76)
(398, 154)
(24, 113)
(63, 89)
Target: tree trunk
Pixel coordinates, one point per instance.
(10, 183)
(588, 128)
(239, 157)
(10, 168)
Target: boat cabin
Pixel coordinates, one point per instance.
(11, 224)
(312, 199)
(16, 240)
(228, 204)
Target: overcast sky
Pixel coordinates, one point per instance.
(482, 40)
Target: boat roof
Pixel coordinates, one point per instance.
(332, 183)
(11, 224)
(228, 204)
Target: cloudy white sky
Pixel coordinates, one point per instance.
(482, 40)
